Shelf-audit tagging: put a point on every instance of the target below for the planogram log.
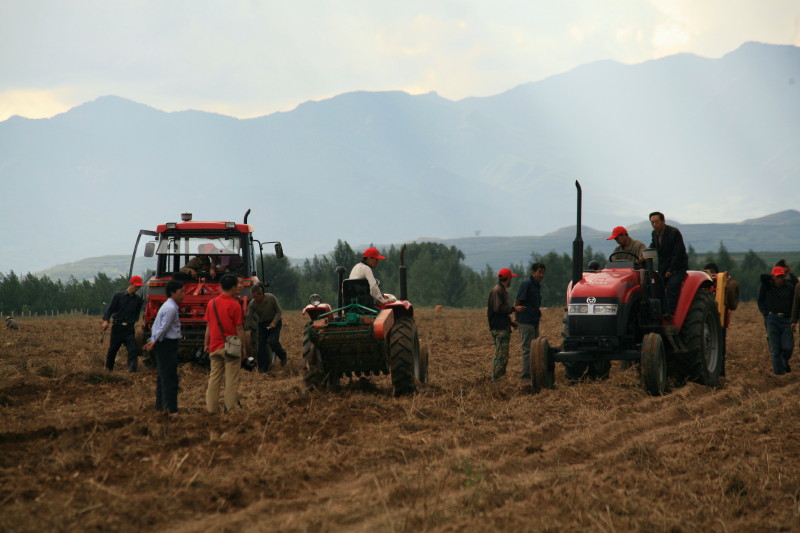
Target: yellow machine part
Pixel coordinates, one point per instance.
(720, 296)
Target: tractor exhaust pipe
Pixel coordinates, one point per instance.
(577, 244)
(403, 282)
(339, 283)
(247, 214)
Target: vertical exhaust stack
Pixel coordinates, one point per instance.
(577, 244)
(403, 282)
(339, 282)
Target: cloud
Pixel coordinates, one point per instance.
(250, 58)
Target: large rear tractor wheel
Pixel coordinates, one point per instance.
(314, 375)
(404, 356)
(542, 368)
(702, 335)
(653, 364)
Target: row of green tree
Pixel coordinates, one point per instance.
(436, 276)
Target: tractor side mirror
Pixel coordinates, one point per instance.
(278, 250)
(149, 249)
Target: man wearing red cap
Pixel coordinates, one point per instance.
(626, 244)
(775, 303)
(498, 312)
(363, 270)
(125, 308)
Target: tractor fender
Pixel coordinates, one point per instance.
(693, 282)
(383, 324)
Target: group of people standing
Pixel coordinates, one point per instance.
(225, 317)
(778, 300)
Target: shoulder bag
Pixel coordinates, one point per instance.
(233, 344)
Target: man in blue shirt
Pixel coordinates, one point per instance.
(164, 338)
(529, 296)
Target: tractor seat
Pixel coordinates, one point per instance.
(358, 290)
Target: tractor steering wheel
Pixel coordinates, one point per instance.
(635, 257)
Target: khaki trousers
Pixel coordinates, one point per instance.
(225, 367)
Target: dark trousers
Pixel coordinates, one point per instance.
(123, 335)
(672, 289)
(781, 342)
(269, 338)
(167, 380)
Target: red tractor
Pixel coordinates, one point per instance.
(616, 314)
(362, 338)
(229, 245)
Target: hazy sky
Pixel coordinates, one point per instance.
(248, 58)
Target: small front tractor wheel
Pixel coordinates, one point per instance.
(542, 368)
(404, 355)
(314, 376)
(653, 364)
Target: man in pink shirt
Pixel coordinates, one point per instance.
(223, 319)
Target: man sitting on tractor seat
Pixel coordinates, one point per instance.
(626, 244)
(363, 270)
(200, 263)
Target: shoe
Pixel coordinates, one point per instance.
(284, 359)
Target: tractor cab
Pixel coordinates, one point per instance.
(198, 253)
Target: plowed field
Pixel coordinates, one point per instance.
(82, 450)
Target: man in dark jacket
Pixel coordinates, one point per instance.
(529, 295)
(125, 308)
(673, 261)
(775, 303)
(498, 312)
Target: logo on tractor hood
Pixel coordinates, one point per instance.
(591, 300)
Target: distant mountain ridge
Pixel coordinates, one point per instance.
(696, 138)
(772, 233)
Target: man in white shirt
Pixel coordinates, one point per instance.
(164, 339)
(363, 270)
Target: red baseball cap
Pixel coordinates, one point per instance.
(616, 232)
(505, 273)
(373, 252)
(778, 271)
(136, 280)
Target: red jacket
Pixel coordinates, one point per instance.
(230, 316)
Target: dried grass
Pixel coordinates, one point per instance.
(84, 450)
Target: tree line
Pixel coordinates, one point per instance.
(436, 276)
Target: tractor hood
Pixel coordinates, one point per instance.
(617, 283)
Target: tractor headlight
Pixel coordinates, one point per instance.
(605, 309)
(578, 309)
(315, 299)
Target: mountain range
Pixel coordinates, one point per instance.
(703, 140)
(779, 230)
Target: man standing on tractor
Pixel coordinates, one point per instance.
(775, 303)
(529, 297)
(500, 323)
(363, 270)
(673, 261)
(626, 244)
(125, 308)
